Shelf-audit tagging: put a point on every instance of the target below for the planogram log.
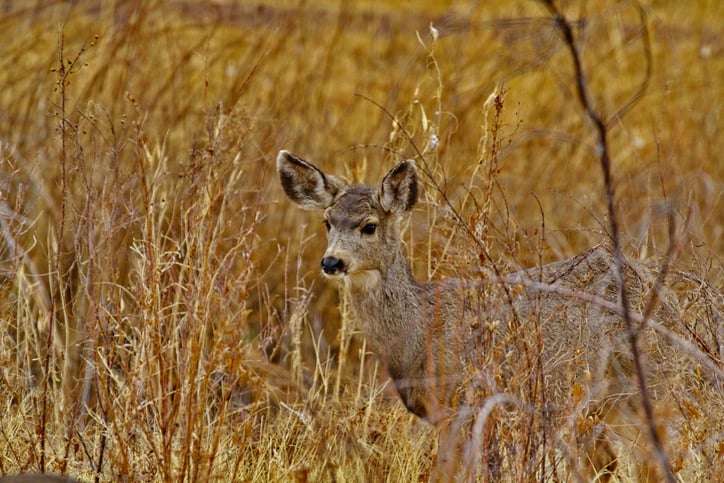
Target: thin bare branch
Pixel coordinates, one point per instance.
(649, 67)
(605, 162)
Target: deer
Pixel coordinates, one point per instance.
(417, 329)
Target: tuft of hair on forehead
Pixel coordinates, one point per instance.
(354, 203)
(358, 198)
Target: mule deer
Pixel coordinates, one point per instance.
(419, 330)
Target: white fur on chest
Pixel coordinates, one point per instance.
(363, 281)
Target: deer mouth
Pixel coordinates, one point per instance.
(335, 274)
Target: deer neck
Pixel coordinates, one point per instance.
(387, 304)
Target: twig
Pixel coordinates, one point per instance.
(85, 446)
(101, 453)
(474, 448)
(643, 87)
(9, 444)
(671, 253)
(605, 162)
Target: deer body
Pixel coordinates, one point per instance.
(400, 318)
(421, 332)
(430, 335)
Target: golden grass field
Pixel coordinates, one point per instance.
(162, 315)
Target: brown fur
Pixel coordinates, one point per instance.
(423, 332)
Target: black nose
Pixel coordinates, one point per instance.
(332, 265)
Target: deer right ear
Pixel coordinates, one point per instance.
(398, 190)
(305, 184)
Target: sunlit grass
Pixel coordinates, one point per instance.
(161, 299)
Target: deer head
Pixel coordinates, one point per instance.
(362, 222)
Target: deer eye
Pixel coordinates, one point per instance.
(327, 226)
(369, 229)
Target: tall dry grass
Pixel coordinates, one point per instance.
(161, 313)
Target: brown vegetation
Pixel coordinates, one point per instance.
(161, 312)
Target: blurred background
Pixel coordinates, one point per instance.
(162, 314)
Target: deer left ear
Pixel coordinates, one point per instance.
(398, 190)
(305, 184)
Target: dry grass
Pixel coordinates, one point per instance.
(161, 313)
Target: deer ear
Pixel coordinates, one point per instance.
(398, 191)
(305, 184)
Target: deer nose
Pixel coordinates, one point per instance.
(332, 265)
